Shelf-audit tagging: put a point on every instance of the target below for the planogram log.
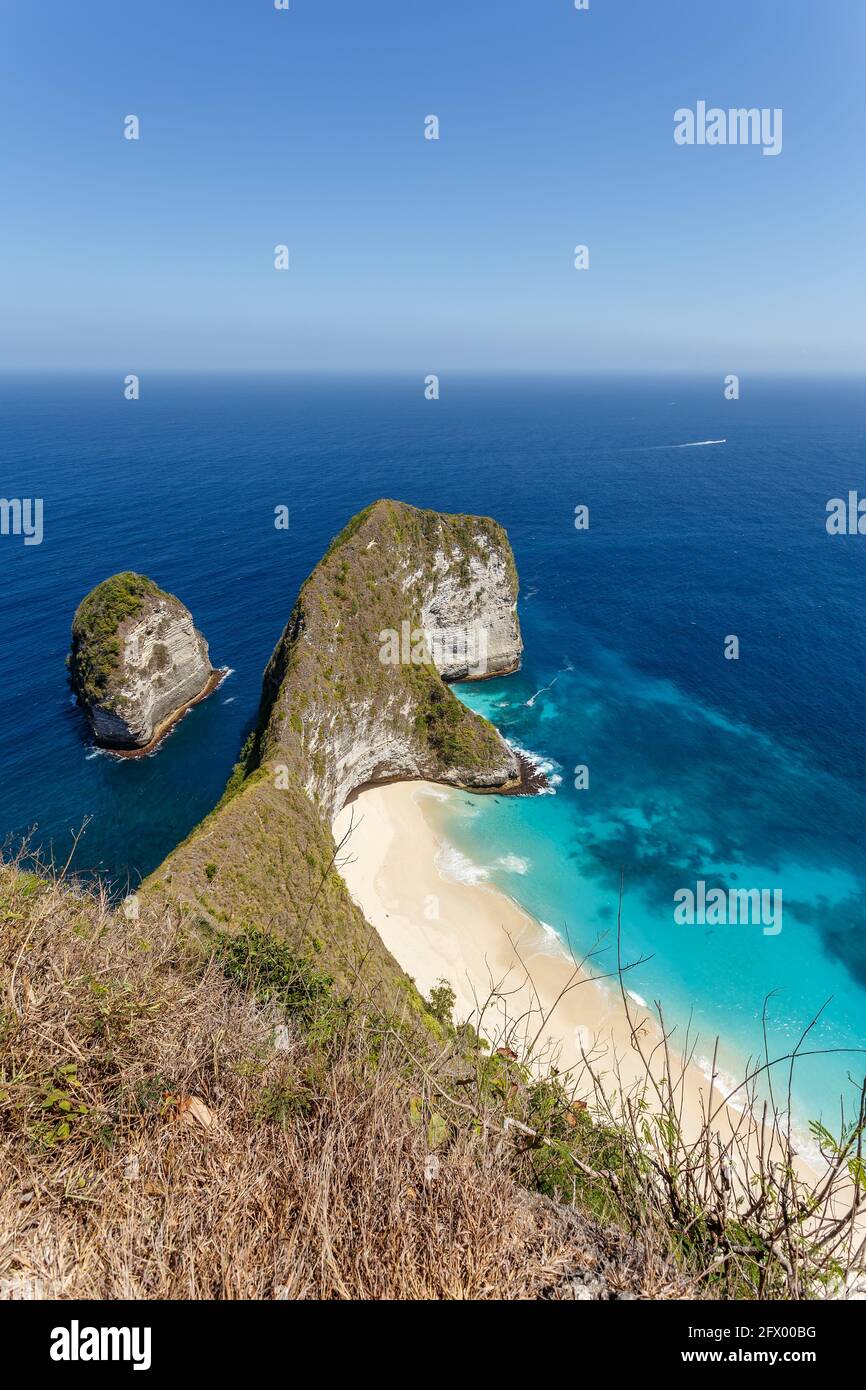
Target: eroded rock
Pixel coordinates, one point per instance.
(137, 662)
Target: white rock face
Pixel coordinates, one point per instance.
(368, 749)
(471, 620)
(162, 667)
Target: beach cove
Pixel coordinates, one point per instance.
(513, 978)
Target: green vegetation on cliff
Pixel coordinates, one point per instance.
(371, 580)
(96, 649)
(326, 694)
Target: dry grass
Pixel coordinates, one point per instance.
(197, 1119)
(163, 1134)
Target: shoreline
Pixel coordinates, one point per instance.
(513, 979)
(214, 682)
(531, 782)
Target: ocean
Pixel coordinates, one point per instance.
(746, 773)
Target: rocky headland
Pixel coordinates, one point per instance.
(354, 695)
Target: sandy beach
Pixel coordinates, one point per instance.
(512, 979)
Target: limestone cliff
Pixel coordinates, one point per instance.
(355, 688)
(353, 694)
(472, 590)
(137, 661)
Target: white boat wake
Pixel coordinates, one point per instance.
(531, 701)
(656, 448)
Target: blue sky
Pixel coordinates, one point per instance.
(305, 127)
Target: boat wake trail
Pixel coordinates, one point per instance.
(531, 701)
(657, 448)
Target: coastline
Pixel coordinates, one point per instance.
(513, 979)
(214, 682)
(531, 782)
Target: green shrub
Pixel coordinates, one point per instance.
(283, 1101)
(269, 968)
(442, 1001)
(95, 648)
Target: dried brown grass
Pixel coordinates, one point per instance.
(165, 1135)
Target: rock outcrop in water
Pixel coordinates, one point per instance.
(137, 662)
(354, 694)
(355, 691)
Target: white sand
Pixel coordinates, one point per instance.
(513, 981)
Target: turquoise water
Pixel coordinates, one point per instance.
(747, 773)
(675, 793)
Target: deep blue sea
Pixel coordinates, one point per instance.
(747, 773)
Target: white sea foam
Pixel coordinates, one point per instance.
(804, 1144)
(229, 701)
(725, 1084)
(457, 868)
(434, 793)
(554, 938)
(546, 766)
(514, 864)
(556, 942)
(638, 998)
(699, 444)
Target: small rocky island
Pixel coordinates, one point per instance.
(137, 663)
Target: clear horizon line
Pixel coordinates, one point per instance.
(572, 373)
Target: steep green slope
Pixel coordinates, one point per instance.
(334, 716)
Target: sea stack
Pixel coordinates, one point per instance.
(403, 602)
(137, 663)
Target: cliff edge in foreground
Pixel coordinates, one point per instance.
(355, 694)
(137, 661)
(248, 1098)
